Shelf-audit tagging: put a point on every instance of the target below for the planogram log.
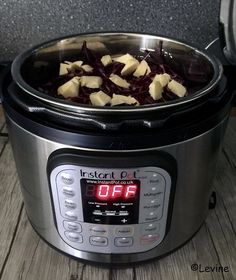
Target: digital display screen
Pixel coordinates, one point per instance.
(110, 201)
(112, 192)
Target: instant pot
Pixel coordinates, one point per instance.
(73, 159)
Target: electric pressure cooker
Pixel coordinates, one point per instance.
(73, 159)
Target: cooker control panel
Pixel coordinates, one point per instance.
(111, 210)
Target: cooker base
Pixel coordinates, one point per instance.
(114, 265)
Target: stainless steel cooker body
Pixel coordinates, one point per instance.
(183, 142)
(196, 161)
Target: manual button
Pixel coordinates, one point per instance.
(98, 241)
(124, 231)
(123, 241)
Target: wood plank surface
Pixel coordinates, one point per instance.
(2, 120)
(24, 256)
(10, 203)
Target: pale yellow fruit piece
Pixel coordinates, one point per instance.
(87, 68)
(163, 79)
(64, 68)
(118, 99)
(91, 81)
(124, 58)
(130, 66)
(106, 60)
(67, 65)
(155, 90)
(142, 69)
(99, 98)
(177, 88)
(119, 81)
(70, 88)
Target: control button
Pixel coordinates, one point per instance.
(155, 175)
(70, 204)
(72, 226)
(68, 191)
(74, 236)
(153, 193)
(152, 216)
(98, 241)
(123, 241)
(98, 230)
(156, 179)
(71, 215)
(124, 231)
(151, 206)
(153, 202)
(149, 239)
(67, 178)
(150, 228)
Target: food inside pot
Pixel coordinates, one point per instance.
(115, 80)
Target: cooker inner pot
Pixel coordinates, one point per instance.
(41, 64)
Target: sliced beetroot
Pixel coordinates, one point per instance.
(139, 87)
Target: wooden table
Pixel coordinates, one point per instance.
(23, 255)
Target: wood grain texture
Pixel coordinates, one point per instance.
(10, 203)
(2, 119)
(23, 255)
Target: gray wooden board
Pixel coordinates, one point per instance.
(23, 255)
(2, 120)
